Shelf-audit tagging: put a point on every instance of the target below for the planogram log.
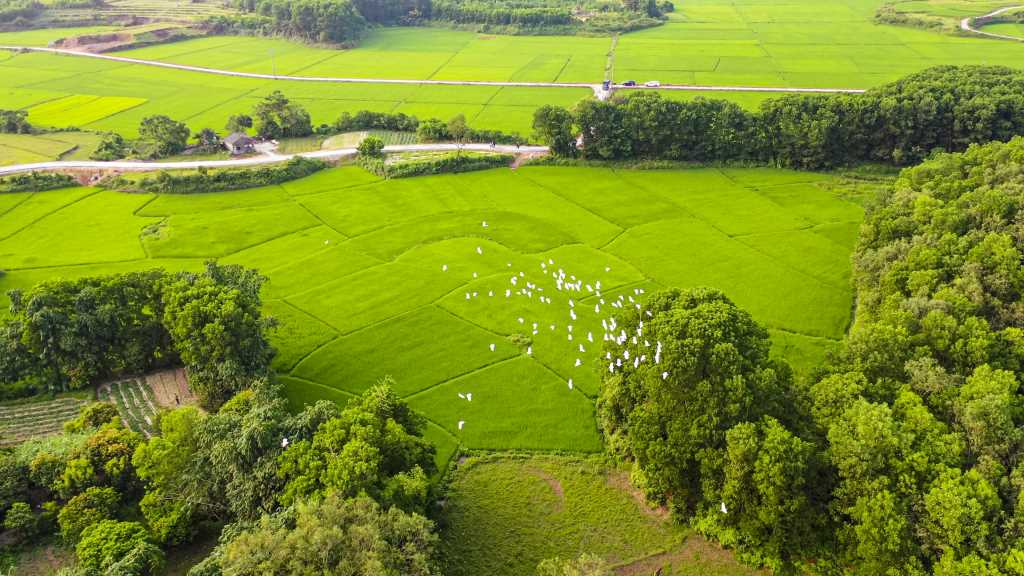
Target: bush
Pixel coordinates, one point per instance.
(437, 164)
(111, 147)
(91, 416)
(371, 147)
(206, 181)
(366, 120)
(36, 182)
(107, 543)
(14, 122)
(20, 521)
(88, 508)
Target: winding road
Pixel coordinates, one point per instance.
(339, 153)
(967, 24)
(597, 88)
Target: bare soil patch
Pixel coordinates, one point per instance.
(170, 388)
(553, 483)
(620, 480)
(695, 551)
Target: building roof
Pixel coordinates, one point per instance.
(238, 139)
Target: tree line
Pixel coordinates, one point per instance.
(323, 21)
(902, 454)
(944, 108)
(69, 334)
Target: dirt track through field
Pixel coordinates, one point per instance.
(337, 154)
(597, 88)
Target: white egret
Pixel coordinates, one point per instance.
(461, 424)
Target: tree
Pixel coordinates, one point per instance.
(91, 417)
(335, 536)
(768, 495)
(707, 368)
(375, 446)
(583, 565)
(458, 130)
(208, 140)
(112, 146)
(371, 147)
(165, 136)
(109, 542)
(277, 117)
(162, 462)
(239, 123)
(21, 522)
(216, 326)
(432, 130)
(14, 122)
(553, 126)
(90, 507)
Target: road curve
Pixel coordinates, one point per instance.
(597, 88)
(967, 24)
(138, 166)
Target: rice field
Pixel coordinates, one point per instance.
(477, 324)
(25, 148)
(705, 42)
(19, 422)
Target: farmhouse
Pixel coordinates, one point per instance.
(238, 143)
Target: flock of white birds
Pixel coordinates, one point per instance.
(631, 349)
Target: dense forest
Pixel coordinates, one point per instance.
(942, 108)
(902, 455)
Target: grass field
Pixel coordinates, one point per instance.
(504, 515)
(1006, 29)
(371, 278)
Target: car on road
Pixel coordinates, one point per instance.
(652, 83)
(606, 85)
(629, 83)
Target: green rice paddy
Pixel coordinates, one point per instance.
(370, 278)
(706, 42)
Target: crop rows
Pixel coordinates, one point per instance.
(23, 421)
(134, 401)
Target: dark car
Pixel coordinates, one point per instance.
(606, 85)
(629, 83)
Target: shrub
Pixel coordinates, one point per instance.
(88, 508)
(112, 146)
(14, 122)
(437, 164)
(205, 181)
(371, 147)
(36, 182)
(107, 543)
(20, 521)
(91, 416)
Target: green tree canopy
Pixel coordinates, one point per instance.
(374, 447)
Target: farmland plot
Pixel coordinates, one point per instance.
(485, 295)
(19, 422)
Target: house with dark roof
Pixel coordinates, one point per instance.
(238, 143)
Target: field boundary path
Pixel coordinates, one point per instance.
(597, 88)
(336, 154)
(967, 24)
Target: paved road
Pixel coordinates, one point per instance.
(598, 90)
(138, 166)
(966, 24)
